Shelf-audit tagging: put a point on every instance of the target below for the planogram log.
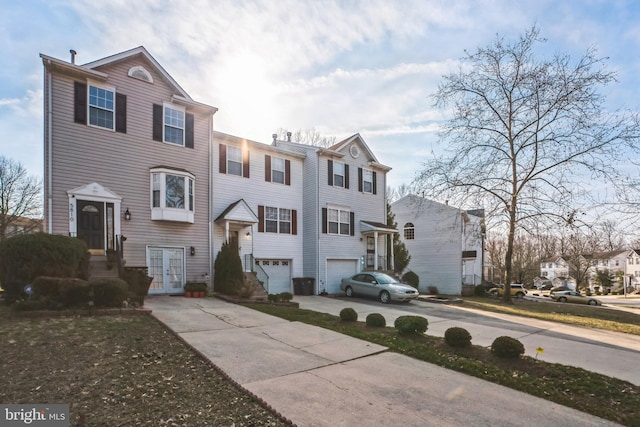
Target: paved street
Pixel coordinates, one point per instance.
(609, 353)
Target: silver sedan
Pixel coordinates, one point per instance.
(378, 285)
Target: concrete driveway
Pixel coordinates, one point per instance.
(609, 353)
(316, 377)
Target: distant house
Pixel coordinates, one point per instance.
(556, 270)
(612, 261)
(632, 269)
(23, 225)
(445, 243)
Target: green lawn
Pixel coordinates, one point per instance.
(606, 397)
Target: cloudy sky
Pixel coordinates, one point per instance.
(340, 67)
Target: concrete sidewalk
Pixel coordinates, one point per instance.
(317, 377)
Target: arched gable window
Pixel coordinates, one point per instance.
(409, 231)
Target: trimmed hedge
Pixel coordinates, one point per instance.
(376, 320)
(411, 278)
(109, 292)
(348, 314)
(407, 325)
(27, 256)
(457, 337)
(507, 347)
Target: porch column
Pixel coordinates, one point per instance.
(391, 255)
(226, 231)
(375, 250)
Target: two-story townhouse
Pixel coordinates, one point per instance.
(632, 269)
(127, 156)
(344, 211)
(612, 261)
(257, 202)
(554, 267)
(445, 243)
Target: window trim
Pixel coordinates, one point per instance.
(365, 182)
(339, 221)
(178, 108)
(111, 89)
(164, 213)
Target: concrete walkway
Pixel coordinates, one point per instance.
(609, 353)
(317, 377)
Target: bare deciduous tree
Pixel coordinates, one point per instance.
(19, 195)
(308, 137)
(525, 134)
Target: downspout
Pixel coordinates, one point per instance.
(318, 210)
(210, 196)
(48, 154)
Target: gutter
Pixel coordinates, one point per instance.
(48, 154)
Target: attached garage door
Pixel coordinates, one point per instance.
(279, 272)
(337, 269)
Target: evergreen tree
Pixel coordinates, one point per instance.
(401, 255)
(228, 276)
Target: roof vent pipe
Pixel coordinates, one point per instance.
(289, 136)
(274, 136)
(73, 56)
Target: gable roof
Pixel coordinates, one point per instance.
(335, 149)
(239, 212)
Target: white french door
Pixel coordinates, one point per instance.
(166, 266)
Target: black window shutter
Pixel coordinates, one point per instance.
(375, 184)
(294, 222)
(121, 113)
(267, 168)
(222, 164)
(359, 179)
(353, 223)
(188, 133)
(245, 163)
(287, 172)
(80, 103)
(330, 169)
(157, 122)
(346, 176)
(324, 220)
(260, 219)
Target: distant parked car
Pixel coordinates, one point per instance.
(546, 287)
(575, 297)
(517, 290)
(378, 285)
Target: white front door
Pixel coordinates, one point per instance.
(166, 266)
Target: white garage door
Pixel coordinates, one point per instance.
(337, 269)
(279, 272)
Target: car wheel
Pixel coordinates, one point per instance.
(593, 302)
(385, 297)
(348, 291)
(562, 299)
(519, 295)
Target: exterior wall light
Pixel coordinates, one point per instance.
(127, 215)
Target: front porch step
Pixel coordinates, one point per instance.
(99, 268)
(259, 294)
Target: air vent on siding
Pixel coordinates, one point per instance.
(138, 72)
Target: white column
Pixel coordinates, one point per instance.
(375, 250)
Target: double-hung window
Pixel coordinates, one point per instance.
(276, 220)
(173, 125)
(338, 221)
(338, 174)
(277, 170)
(234, 160)
(101, 107)
(172, 195)
(367, 181)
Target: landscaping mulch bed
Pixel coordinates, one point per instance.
(119, 370)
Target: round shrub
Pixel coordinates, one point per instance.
(407, 325)
(376, 320)
(479, 291)
(273, 297)
(109, 292)
(507, 347)
(286, 296)
(348, 315)
(457, 337)
(411, 279)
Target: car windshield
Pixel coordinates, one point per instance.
(384, 279)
